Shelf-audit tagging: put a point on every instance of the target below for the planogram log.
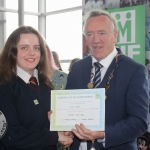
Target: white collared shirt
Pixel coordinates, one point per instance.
(106, 63)
(26, 76)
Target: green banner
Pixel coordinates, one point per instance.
(131, 36)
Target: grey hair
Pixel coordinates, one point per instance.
(95, 13)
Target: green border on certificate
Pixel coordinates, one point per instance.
(72, 107)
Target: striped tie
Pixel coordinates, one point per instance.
(33, 81)
(97, 77)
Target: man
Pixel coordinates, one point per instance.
(126, 84)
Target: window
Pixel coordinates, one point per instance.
(12, 4)
(64, 34)
(63, 29)
(31, 5)
(31, 20)
(11, 23)
(53, 5)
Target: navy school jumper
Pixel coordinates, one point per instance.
(25, 108)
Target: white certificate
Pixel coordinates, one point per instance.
(72, 107)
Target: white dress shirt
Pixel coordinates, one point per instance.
(26, 76)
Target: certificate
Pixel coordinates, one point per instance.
(72, 107)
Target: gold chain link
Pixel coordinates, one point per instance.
(107, 86)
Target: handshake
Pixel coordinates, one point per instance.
(65, 138)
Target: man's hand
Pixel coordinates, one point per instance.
(69, 134)
(65, 138)
(85, 134)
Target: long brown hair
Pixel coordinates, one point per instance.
(9, 56)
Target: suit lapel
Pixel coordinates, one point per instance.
(109, 70)
(87, 71)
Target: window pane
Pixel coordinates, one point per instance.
(12, 4)
(64, 34)
(11, 23)
(52, 5)
(30, 20)
(31, 5)
(65, 67)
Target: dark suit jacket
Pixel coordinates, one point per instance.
(126, 106)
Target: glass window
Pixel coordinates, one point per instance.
(30, 20)
(28, 5)
(11, 23)
(12, 4)
(65, 67)
(53, 5)
(31, 5)
(64, 34)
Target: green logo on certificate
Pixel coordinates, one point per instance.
(36, 102)
(97, 96)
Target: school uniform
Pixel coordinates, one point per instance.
(25, 108)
